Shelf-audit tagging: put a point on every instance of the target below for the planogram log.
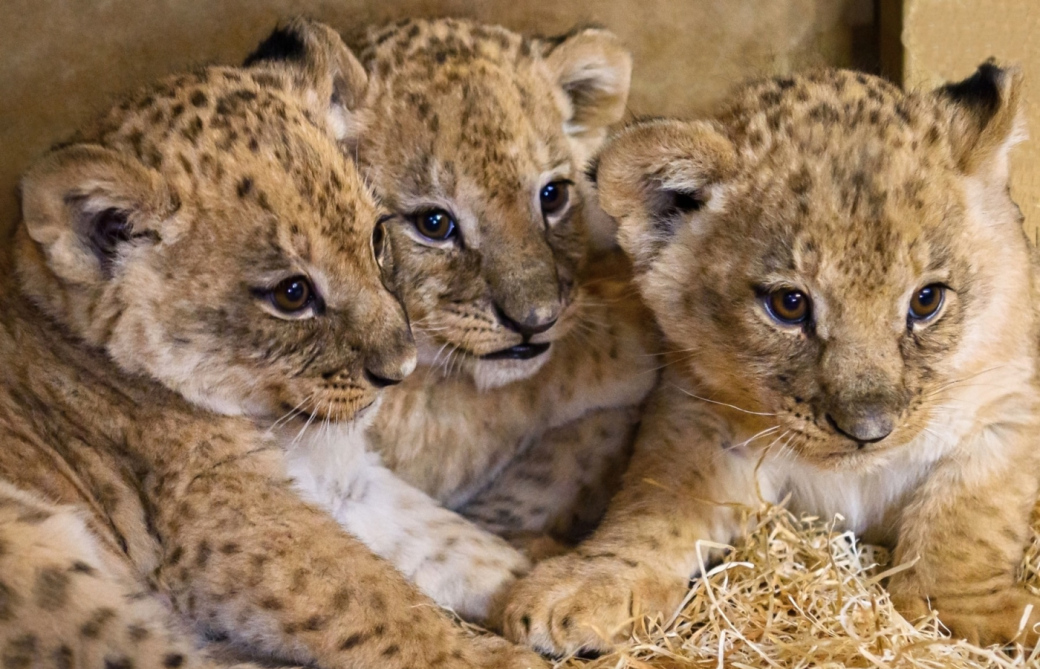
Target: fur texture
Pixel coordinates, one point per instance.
(868, 202)
(525, 349)
(151, 339)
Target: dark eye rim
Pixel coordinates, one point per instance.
(313, 301)
(453, 227)
(914, 317)
(568, 185)
(766, 297)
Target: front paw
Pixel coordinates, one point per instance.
(985, 620)
(472, 576)
(494, 652)
(574, 603)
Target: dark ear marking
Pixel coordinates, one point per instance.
(683, 202)
(667, 208)
(281, 45)
(105, 230)
(980, 93)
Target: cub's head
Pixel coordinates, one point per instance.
(836, 254)
(209, 232)
(476, 138)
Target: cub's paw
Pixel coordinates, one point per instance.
(573, 604)
(495, 652)
(995, 619)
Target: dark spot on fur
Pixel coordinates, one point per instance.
(199, 99)
(9, 600)
(80, 567)
(63, 657)
(137, 632)
(92, 628)
(352, 641)
(51, 590)
(19, 652)
(202, 556)
(173, 660)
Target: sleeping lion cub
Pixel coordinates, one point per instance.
(851, 302)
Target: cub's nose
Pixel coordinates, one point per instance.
(391, 363)
(534, 322)
(865, 426)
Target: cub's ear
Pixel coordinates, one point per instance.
(87, 207)
(986, 120)
(656, 175)
(594, 71)
(322, 65)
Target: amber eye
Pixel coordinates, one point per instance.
(788, 306)
(435, 224)
(926, 302)
(554, 197)
(292, 295)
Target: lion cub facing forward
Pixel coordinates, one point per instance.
(842, 274)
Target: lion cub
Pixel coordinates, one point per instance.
(851, 300)
(533, 362)
(192, 265)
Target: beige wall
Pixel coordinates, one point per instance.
(947, 39)
(61, 61)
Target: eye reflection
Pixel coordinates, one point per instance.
(789, 306)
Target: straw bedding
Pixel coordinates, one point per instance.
(798, 593)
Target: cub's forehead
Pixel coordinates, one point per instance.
(415, 46)
(844, 171)
(469, 99)
(232, 138)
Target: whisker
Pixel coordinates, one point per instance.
(731, 406)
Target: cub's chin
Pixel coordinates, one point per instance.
(495, 371)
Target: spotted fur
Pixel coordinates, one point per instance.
(144, 502)
(920, 433)
(475, 120)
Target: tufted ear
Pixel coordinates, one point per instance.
(594, 71)
(87, 206)
(320, 63)
(986, 120)
(656, 175)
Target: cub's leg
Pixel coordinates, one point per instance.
(456, 563)
(967, 527)
(250, 560)
(682, 486)
(65, 603)
(556, 492)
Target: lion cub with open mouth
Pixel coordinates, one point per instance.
(850, 298)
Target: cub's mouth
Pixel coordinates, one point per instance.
(518, 352)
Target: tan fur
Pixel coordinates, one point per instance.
(475, 120)
(921, 434)
(144, 507)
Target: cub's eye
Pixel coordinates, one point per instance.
(926, 302)
(554, 197)
(435, 224)
(292, 295)
(788, 306)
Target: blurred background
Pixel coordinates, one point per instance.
(63, 61)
